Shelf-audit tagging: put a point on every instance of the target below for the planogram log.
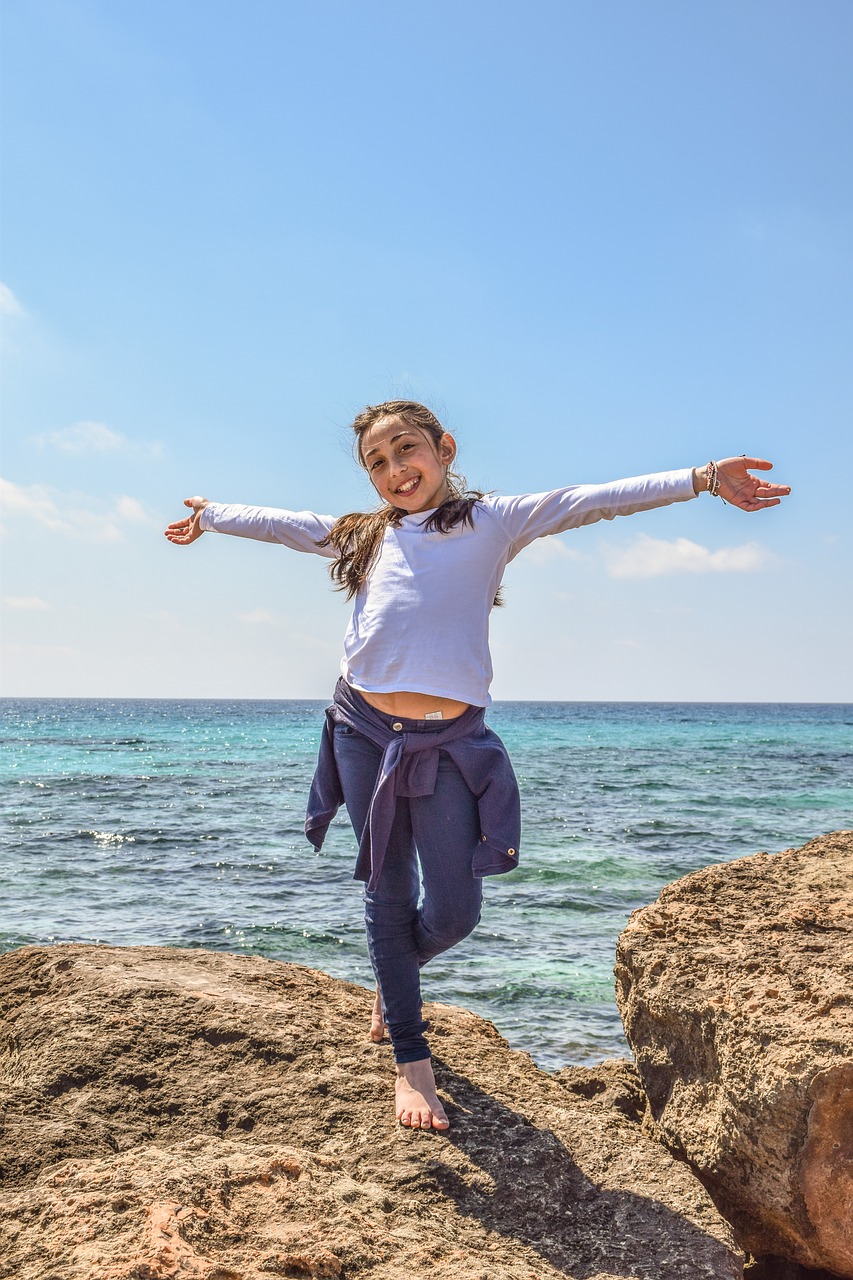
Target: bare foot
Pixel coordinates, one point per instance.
(377, 1022)
(418, 1106)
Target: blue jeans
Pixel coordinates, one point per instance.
(442, 830)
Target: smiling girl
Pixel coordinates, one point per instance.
(428, 787)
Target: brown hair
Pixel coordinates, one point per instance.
(357, 537)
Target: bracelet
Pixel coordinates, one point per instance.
(714, 481)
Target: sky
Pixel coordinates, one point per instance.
(599, 240)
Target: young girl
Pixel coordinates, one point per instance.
(405, 745)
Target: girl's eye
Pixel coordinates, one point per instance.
(377, 463)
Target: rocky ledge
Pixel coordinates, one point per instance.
(736, 992)
(199, 1115)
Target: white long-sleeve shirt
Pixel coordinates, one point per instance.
(420, 621)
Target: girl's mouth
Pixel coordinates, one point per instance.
(409, 487)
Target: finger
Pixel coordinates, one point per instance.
(181, 524)
(736, 466)
(750, 505)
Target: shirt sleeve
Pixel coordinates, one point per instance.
(533, 515)
(300, 530)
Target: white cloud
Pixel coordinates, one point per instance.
(94, 437)
(73, 515)
(42, 652)
(25, 603)
(131, 509)
(9, 304)
(547, 550)
(258, 617)
(85, 437)
(654, 557)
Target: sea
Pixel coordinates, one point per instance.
(179, 823)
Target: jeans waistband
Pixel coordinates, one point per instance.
(408, 726)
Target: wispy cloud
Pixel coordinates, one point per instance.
(93, 437)
(258, 618)
(653, 557)
(548, 550)
(9, 304)
(132, 510)
(43, 652)
(84, 437)
(794, 235)
(73, 515)
(25, 604)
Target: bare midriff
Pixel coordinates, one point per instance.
(414, 706)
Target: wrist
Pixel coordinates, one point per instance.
(700, 480)
(712, 478)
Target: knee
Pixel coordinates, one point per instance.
(440, 934)
(383, 912)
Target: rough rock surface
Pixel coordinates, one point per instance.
(736, 992)
(199, 1115)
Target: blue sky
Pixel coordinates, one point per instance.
(598, 239)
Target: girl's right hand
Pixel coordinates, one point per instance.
(183, 532)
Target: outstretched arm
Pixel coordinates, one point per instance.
(183, 532)
(731, 481)
(299, 530)
(534, 515)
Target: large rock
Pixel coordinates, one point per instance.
(736, 992)
(194, 1114)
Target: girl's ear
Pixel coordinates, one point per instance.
(447, 448)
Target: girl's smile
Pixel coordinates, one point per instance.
(405, 467)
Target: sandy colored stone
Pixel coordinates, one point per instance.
(193, 1114)
(736, 992)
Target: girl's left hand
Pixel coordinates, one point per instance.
(740, 489)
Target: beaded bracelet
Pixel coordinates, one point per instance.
(714, 480)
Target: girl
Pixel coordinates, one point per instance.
(405, 745)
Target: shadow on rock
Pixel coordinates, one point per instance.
(531, 1189)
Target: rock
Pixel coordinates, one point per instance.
(770, 1268)
(736, 992)
(186, 1113)
(614, 1084)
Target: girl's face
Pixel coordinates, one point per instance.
(406, 468)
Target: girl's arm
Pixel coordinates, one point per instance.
(300, 530)
(534, 515)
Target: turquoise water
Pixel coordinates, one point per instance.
(181, 823)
